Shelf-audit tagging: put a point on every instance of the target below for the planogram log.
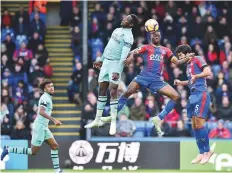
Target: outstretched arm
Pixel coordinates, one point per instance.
(180, 83)
(177, 61)
(205, 73)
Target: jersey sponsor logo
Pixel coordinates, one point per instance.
(81, 152)
(156, 57)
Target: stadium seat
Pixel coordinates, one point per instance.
(140, 128)
(149, 126)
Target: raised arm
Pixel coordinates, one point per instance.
(134, 52)
(177, 61)
(180, 83)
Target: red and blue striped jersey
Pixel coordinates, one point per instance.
(196, 66)
(154, 59)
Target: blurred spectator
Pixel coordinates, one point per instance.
(34, 42)
(18, 75)
(5, 63)
(5, 120)
(125, 127)
(7, 31)
(19, 40)
(224, 111)
(74, 86)
(41, 54)
(152, 108)
(209, 34)
(41, 5)
(23, 53)
(76, 17)
(22, 13)
(42, 16)
(65, 12)
(220, 131)
(20, 93)
(21, 27)
(20, 124)
(98, 14)
(172, 118)
(180, 130)
(171, 8)
(6, 18)
(10, 46)
(37, 25)
(138, 110)
(223, 26)
(76, 40)
(92, 80)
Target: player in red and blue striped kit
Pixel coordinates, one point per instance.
(199, 100)
(154, 56)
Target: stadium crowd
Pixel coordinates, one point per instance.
(24, 63)
(203, 25)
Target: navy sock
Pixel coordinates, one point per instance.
(171, 104)
(202, 140)
(122, 101)
(205, 138)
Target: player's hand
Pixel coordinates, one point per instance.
(193, 79)
(97, 64)
(190, 56)
(128, 60)
(115, 76)
(57, 122)
(177, 82)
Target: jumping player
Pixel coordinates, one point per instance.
(112, 64)
(199, 100)
(150, 77)
(40, 131)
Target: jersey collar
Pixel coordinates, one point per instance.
(48, 94)
(127, 29)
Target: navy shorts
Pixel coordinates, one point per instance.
(198, 104)
(152, 84)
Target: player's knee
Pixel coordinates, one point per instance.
(113, 92)
(102, 91)
(55, 146)
(176, 97)
(128, 93)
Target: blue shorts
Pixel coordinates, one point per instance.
(198, 104)
(152, 84)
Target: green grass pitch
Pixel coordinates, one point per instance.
(101, 171)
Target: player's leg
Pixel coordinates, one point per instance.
(50, 140)
(36, 142)
(170, 92)
(102, 98)
(200, 114)
(132, 88)
(113, 107)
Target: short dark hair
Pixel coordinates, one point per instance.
(44, 83)
(184, 48)
(135, 19)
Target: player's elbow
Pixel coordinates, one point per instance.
(208, 72)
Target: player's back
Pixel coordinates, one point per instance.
(119, 38)
(46, 102)
(195, 66)
(154, 57)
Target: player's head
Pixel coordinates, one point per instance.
(183, 50)
(129, 21)
(156, 37)
(47, 86)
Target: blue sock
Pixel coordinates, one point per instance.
(171, 104)
(206, 139)
(122, 101)
(202, 140)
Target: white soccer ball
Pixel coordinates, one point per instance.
(151, 25)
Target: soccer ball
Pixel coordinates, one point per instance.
(151, 25)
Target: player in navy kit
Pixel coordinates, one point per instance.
(154, 56)
(199, 100)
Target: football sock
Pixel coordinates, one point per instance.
(171, 104)
(55, 159)
(200, 135)
(20, 150)
(122, 101)
(113, 108)
(100, 106)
